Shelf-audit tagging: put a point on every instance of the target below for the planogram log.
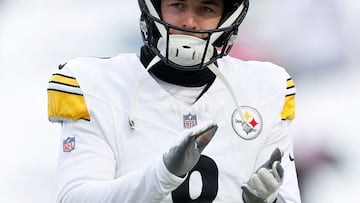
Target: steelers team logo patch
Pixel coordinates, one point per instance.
(249, 125)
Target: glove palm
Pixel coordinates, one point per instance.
(181, 158)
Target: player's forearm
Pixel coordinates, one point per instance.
(145, 185)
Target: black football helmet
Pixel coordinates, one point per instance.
(186, 52)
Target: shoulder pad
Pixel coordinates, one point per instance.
(288, 111)
(66, 101)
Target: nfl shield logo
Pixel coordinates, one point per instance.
(69, 144)
(190, 120)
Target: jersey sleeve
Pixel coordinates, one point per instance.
(66, 101)
(87, 166)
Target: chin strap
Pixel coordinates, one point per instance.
(217, 72)
(154, 61)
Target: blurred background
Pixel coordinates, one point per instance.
(316, 41)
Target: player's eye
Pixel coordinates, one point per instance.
(177, 5)
(207, 9)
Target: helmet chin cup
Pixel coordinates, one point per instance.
(185, 50)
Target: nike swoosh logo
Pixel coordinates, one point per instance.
(291, 158)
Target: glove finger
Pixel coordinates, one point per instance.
(184, 144)
(270, 183)
(248, 190)
(203, 140)
(276, 155)
(251, 182)
(258, 185)
(193, 133)
(278, 171)
(200, 129)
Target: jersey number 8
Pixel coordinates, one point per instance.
(209, 177)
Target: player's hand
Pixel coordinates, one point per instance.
(263, 186)
(181, 158)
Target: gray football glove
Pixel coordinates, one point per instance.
(181, 158)
(264, 184)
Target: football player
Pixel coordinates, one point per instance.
(180, 122)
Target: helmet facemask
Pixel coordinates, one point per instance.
(186, 52)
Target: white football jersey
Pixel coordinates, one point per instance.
(104, 159)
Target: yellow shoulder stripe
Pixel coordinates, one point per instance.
(290, 83)
(66, 106)
(58, 78)
(288, 112)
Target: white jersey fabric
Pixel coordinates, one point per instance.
(102, 159)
